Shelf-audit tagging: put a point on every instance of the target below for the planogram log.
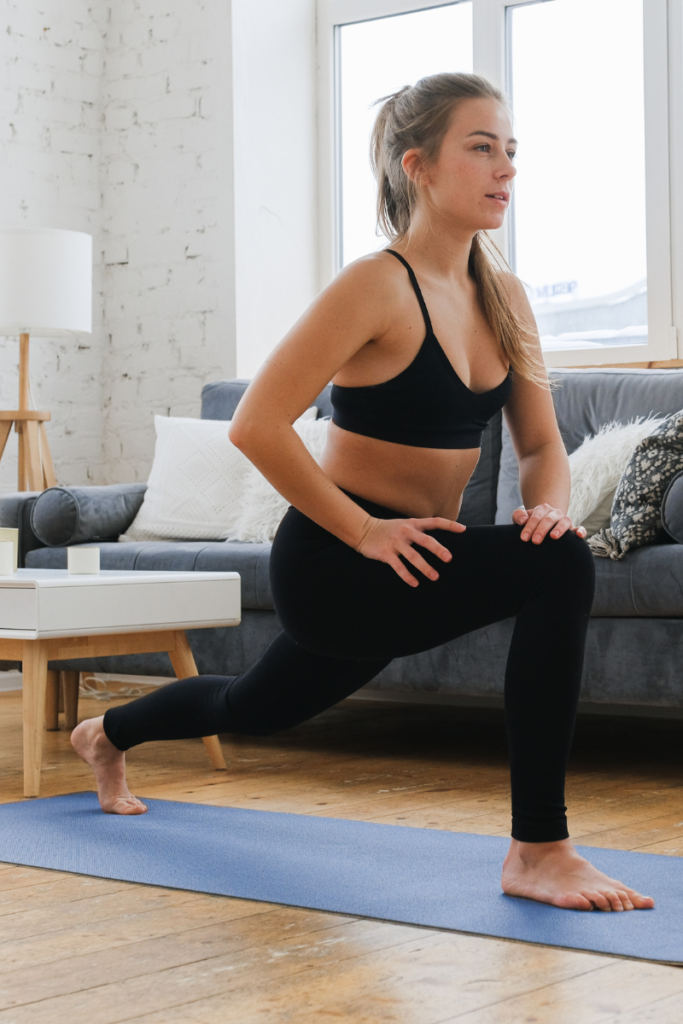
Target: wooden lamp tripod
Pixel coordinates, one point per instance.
(35, 462)
(45, 289)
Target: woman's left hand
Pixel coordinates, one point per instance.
(542, 520)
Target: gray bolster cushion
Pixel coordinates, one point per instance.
(75, 515)
(672, 508)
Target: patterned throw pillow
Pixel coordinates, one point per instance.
(637, 509)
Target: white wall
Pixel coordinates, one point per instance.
(118, 119)
(50, 135)
(168, 218)
(275, 171)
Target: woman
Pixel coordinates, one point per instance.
(370, 563)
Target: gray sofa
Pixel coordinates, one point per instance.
(635, 641)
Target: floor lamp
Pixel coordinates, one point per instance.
(45, 291)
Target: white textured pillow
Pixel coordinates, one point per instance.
(197, 483)
(195, 486)
(263, 507)
(596, 468)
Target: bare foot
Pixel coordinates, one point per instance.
(90, 742)
(555, 873)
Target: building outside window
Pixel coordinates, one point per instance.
(575, 74)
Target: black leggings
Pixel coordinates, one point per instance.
(345, 617)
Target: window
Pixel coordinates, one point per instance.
(578, 236)
(590, 231)
(376, 58)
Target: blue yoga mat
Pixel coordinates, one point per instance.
(394, 873)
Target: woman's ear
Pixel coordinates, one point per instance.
(413, 166)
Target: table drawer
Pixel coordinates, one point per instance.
(125, 607)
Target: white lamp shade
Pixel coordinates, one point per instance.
(45, 281)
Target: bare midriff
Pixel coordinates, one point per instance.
(418, 482)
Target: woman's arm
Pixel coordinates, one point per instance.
(352, 310)
(544, 475)
(356, 308)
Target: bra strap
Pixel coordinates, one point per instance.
(416, 288)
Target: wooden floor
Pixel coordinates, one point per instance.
(84, 951)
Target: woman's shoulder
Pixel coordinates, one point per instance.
(376, 269)
(373, 281)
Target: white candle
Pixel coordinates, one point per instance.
(82, 561)
(8, 533)
(6, 558)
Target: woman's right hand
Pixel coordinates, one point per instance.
(387, 539)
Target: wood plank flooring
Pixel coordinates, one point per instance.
(88, 951)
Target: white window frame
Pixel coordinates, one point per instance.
(663, 71)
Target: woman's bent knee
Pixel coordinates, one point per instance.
(569, 566)
(574, 563)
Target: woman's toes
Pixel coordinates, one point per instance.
(614, 899)
(641, 902)
(578, 902)
(599, 900)
(625, 899)
(128, 805)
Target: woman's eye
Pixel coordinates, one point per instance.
(484, 146)
(512, 154)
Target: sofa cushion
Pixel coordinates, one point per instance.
(584, 400)
(73, 515)
(479, 499)
(251, 561)
(648, 583)
(672, 508)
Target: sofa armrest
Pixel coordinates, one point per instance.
(15, 512)
(76, 515)
(672, 508)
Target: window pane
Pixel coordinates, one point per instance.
(579, 206)
(377, 58)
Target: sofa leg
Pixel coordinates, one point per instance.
(70, 681)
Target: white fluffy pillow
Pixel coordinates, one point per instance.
(197, 483)
(597, 466)
(263, 507)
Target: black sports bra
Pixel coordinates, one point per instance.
(426, 405)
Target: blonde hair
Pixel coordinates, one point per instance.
(417, 117)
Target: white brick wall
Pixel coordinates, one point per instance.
(117, 119)
(166, 177)
(50, 134)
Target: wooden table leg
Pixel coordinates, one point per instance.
(70, 682)
(184, 666)
(52, 701)
(34, 669)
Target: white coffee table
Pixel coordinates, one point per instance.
(49, 615)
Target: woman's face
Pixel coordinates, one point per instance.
(470, 182)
